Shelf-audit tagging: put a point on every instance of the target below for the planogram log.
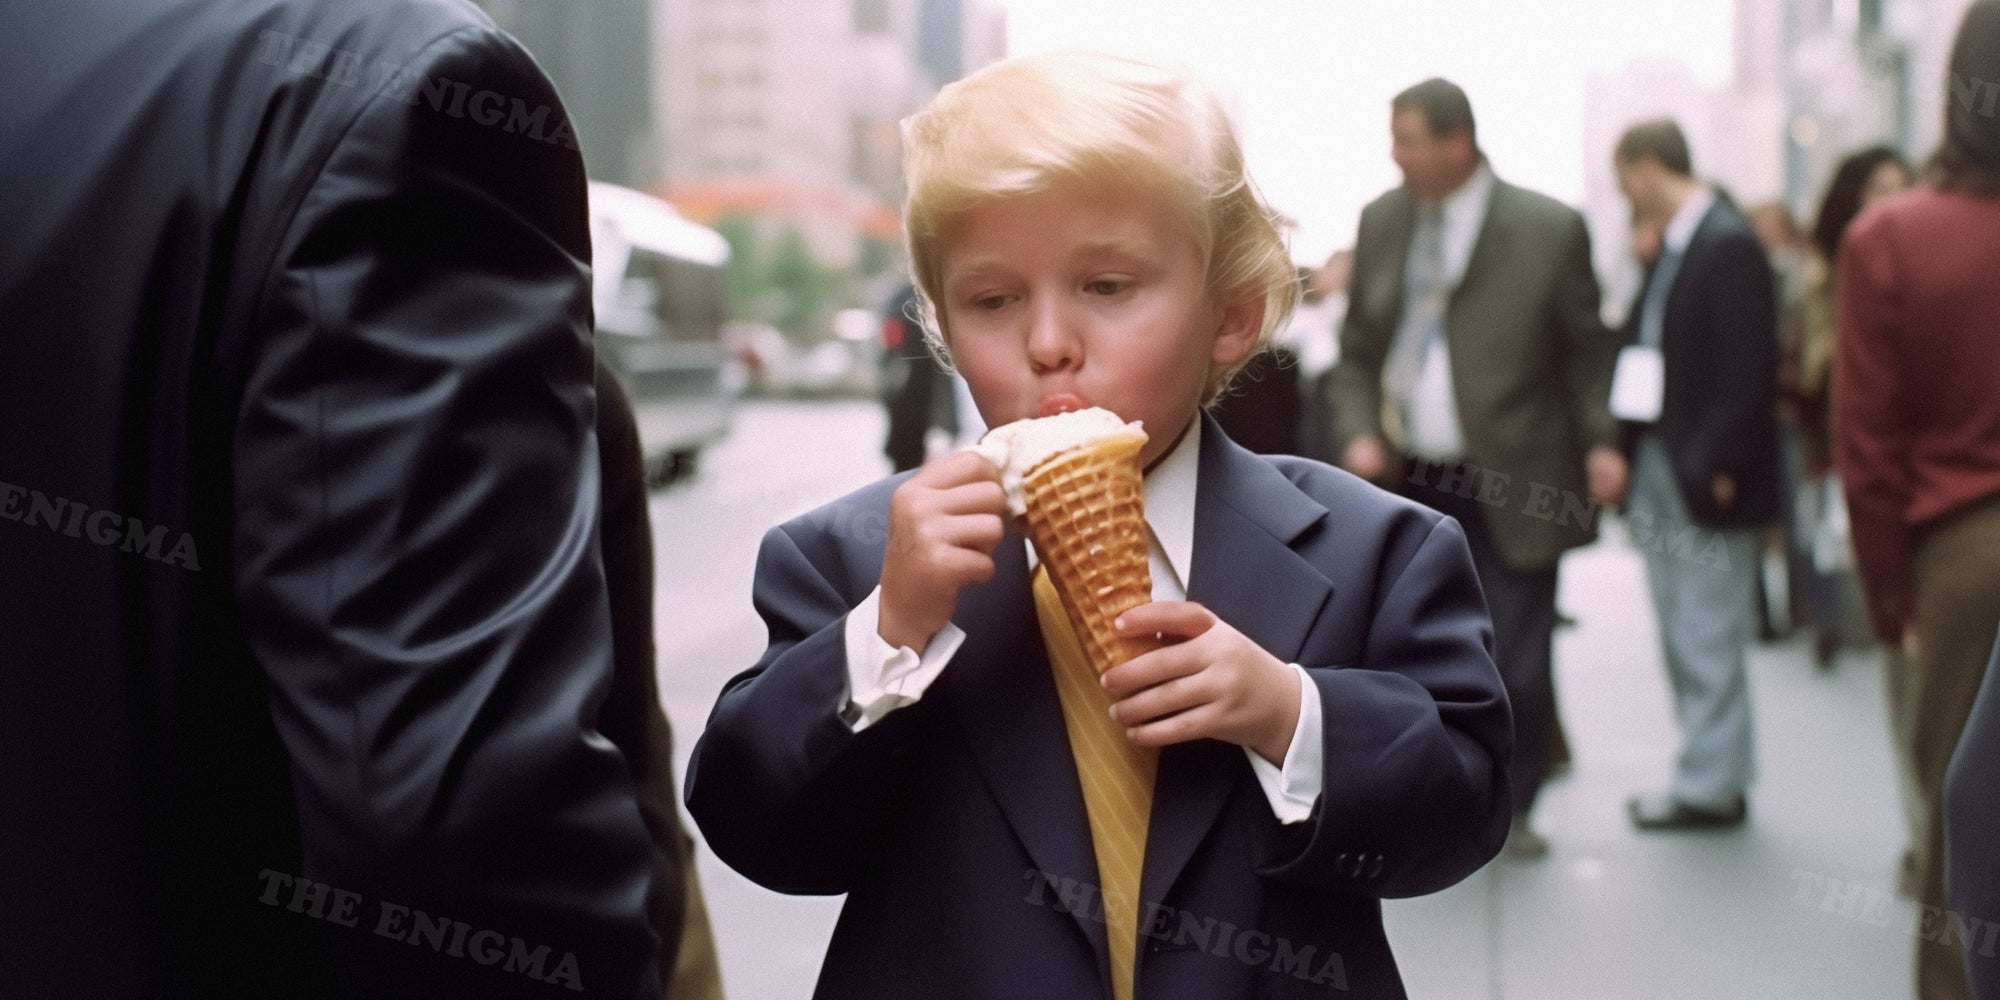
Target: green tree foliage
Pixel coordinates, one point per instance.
(773, 278)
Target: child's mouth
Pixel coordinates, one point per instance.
(1061, 402)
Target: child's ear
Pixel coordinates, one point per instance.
(1237, 327)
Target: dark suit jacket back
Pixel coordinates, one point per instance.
(956, 825)
(297, 530)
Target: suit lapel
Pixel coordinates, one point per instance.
(1246, 515)
(1004, 698)
(1380, 291)
(1674, 312)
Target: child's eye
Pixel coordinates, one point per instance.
(1107, 286)
(989, 302)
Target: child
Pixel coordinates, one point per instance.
(1083, 234)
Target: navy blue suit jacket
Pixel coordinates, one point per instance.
(1720, 344)
(956, 825)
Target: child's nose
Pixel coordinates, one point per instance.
(1052, 342)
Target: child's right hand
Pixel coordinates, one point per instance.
(944, 523)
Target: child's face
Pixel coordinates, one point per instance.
(1087, 295)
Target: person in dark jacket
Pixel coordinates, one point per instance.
(1697, 386)
(1320, 726)
(916, 387)
(306, 633)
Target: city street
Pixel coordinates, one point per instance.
(1799, 903)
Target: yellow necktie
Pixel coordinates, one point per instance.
(1117, 780)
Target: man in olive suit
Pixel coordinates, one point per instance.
(1473, 378)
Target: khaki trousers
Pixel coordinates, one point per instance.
(1957, 611)
(697, 970)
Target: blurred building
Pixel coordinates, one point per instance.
(782, 109)
(788, 111)
(1861, 72)
(600, 56)
(1810, 82)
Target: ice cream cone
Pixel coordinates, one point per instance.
(1086, 516)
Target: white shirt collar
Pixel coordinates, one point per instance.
(1170, 494)
(1680, 229)
(1467, 205)
(1461, 215)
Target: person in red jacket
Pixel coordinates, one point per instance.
(1916, 390)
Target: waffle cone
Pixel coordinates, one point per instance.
(1086, 516)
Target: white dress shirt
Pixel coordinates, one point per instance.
(1434, 430)
(882, 678)
(1680, 229)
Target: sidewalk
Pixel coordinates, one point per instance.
(1612, 914)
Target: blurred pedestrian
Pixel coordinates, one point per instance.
(1314, 333)
(1264, 407)
(1916, 432)
(1786, 246)
(1861, 180)
(916, 388)
(306, 631)
(1827, 569)
(1473, 376)
(1697, 386)
(1822, 555)
(1777, 597)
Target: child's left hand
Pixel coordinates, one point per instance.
(1214, 684)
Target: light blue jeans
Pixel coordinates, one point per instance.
(1703, 580)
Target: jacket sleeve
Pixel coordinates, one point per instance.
(1870, 436)
(784, 790)
(1364, 343)
(1417, 737)
(1741, 314)
(415, 482)
(1592, 349)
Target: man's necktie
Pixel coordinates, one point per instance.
(1425, 291)
(1117, 780)
(1653, 311)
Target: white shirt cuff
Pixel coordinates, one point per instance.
(1293, 790)
(882, 678)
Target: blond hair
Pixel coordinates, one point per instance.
(1026, 125)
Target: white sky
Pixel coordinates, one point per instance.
(1310, 80)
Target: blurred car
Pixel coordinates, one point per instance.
(843, 362)
(661, 297)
